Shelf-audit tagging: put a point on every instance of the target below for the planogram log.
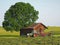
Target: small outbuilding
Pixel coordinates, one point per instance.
(34, 30)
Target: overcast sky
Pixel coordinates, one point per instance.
(49, 10)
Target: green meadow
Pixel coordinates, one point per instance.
(54, 29)
(4, 33)
(14, 38)
(51, 29)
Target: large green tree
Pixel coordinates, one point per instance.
(19, 15)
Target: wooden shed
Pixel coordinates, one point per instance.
(34, 30)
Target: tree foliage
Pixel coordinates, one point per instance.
(19, 15)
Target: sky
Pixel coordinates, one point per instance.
(49, 10)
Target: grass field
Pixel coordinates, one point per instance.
(54, 29)
(30, 41)
(13, 38)
(4, 33)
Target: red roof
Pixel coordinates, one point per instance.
(35, 24)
